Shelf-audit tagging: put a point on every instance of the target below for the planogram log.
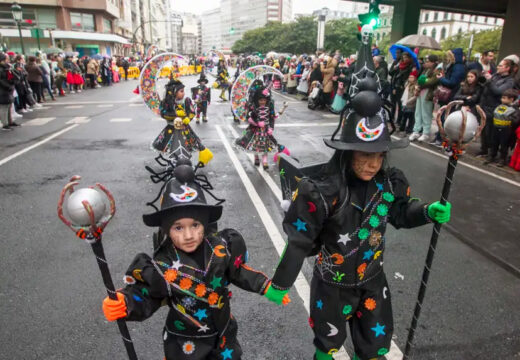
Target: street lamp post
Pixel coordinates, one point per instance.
(321, 29)
(17, 12)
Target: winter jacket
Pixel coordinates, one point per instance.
(92, 67)
(34, 73)
(7, 81)
(400, 77)
(493, 90)
(428, 80)
(455, 72)
(328, 73)
(470, 96)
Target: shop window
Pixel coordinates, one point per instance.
(107, 26)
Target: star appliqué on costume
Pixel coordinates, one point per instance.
(227, 354)
(319, 304)
(201, 314)
(300, 225)
(379, 186)
(368, 254)
(176, 265)
(238, 261)
(379, 329)
(344, 239)
(215, 282)
(203, 328)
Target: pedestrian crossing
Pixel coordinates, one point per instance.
(39, 121)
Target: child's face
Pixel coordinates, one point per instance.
(262, 101)
(471, 78)
(507, 100)
(366, 165)
(412, 79)
(187, 234)
(180, 94)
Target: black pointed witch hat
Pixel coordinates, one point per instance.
(202, 78)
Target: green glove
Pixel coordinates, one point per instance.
(320, 355)
(439, 213)
(279, 297)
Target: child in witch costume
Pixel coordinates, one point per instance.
(190, 272)
(258, 137)
(222, 81)
(339, 212)
(203, 98)
(178, 136)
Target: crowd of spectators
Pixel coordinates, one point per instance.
(414, 89)
(28, 82)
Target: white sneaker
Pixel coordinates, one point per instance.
(424, 138)
(414, 136)
(25, 110)
(79, 90)
(29, 110)
(16, 116)
(72, 92)
(38, 105)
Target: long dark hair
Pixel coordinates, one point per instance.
(467, 88)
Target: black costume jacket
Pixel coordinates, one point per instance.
(204, 94)
(345, 227)
(198, 299)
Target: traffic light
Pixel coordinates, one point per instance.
(372, 17)
(232, 31)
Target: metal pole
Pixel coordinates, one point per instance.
(470, 47)
(38, 38)
(21, 39)
(452, 164)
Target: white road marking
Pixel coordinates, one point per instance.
(512, 182)
(120, 120)
(88, 102)
(21, 152)
(284, 96)
(74, 107)
(395, 353)
(290, 125)
(105, 105)
(331, 115)
(78, 120)
(136, 104)
(39, 121)
(301, 284)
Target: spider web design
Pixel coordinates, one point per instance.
(362, 73)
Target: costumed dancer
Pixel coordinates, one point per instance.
(339, 212)
(178, 137)
(190, 272)
(222, 81)
(258, 137)
(203, 98)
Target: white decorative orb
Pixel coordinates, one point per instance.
(76, 210)
(453, 124)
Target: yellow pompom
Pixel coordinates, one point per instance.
(205, 156)
(186, 121)
(181, 113)
(215, 85)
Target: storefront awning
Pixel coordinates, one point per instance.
(60, 34)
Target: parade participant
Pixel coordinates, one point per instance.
(203, 98)
(340, 213)
(222, 81)
(178, 137)
(505, 120)
(190, 272)
(258, 137)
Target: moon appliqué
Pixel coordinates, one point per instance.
(365, 133)
(188, 195)
(385, 289)
(218, 251)
(333, 330)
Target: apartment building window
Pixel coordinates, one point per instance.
(424, 32)
(29, 17)
(434, 33)
(82, 21)
(446, 16)
(107, 26)
(426, 17)
(435, 16)
(443, 33)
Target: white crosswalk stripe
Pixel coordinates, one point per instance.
(78, 120)
(290, 125)
(105, 105)
(136, 104)
(74, 107)
(121, 120)
(39, 121)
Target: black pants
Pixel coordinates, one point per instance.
(486, 139)
(500, 141)
(126, 73)
(202, 108)
(407, 117)
(37, 90)
(203, 348)
(92, 80)
(367, 310)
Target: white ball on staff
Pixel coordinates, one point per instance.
(76, 211)
(453, 124)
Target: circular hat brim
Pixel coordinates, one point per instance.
(370, 147)
(154, 219)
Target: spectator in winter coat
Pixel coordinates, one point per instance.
(491, 97)
(328, 68)
(470, 91)
(455, 72)
(382, 72)
(408, 102)
(7, 81)
(399, 75)
(303, 86)
(35, 77)
(485, 64)
(92, 73)
(427, 83)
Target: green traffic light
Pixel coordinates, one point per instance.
(373, 23)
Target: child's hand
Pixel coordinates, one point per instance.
(439, 213)
(114, 309)
(261, 124)
(279, 297)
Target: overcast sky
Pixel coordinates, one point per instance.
(299, 6)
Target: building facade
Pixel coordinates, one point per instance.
(211, 30)
(86, 27)
(191, 25)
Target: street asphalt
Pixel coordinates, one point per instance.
(50, 286)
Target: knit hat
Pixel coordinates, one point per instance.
(414, 73)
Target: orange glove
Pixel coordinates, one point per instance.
(114, 309)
